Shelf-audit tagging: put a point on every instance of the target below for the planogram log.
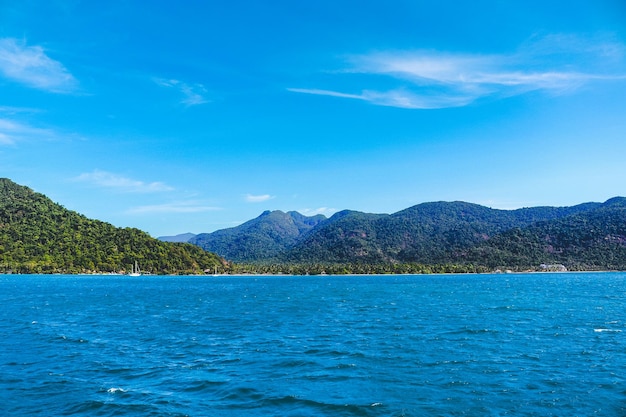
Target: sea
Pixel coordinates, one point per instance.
(544, 344)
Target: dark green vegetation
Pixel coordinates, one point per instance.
(261, 239)
(39, 236)
(589, 240)
(430, 237)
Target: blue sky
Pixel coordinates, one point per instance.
(194, 116)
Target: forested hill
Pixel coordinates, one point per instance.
(585, 236)
(428, 233)
(261, 239)
(588, 240)
(40, 236)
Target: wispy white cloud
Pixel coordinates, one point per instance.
(29, 65)
(257, 198)
(16, 125)
(110, 180)
(193, 94)
(177, 207)
(12, 131)
(12, 110)
(326, 93)
(401, 97)
(429, 80)
(5, 139)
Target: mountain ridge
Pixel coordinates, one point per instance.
(40, 236)
(430, 233)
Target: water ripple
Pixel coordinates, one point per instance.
(536, 344)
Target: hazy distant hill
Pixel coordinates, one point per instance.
(260, 239)
(40, 236)
(585, 236)
(182, 238)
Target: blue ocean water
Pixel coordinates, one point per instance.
(428, 345)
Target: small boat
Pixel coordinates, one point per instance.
(135, 272)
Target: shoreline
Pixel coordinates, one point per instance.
(107, 274)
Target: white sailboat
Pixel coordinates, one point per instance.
(135, 271)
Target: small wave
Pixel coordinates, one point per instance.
(602, 330)
(72, 339)
(243, 394)
(470, 331)
(506, 307)
(306, 406)
(115, 390)
(334, 354)
(294, 363)
(203, 386)
(345, 365)
(108, 408)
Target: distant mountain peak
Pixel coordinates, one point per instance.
(183, 237)
(264, 237)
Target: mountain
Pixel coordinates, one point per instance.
(40, 236)
(348, 236)
(428, 233)
(589, 240)
(182, 238)
(260, 239)
(585, 236)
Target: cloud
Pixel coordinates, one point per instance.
(110, 180)
(177, 207)
(397, 98)
(432, 79)
(326, 93)
(29, 65)
(12, 110)
(257, 198)
(193, 94)
(12, 131)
